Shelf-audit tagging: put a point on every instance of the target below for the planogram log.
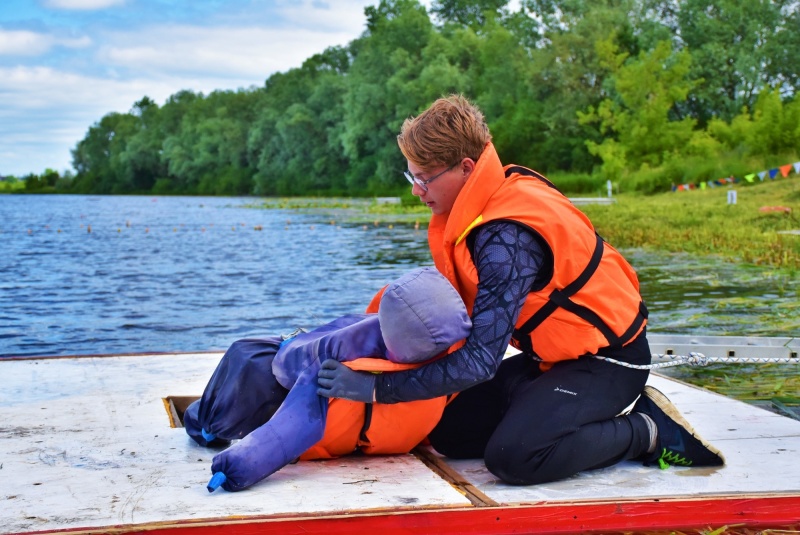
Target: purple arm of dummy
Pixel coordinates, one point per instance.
(344, 339)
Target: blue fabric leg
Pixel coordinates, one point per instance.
(298, 424)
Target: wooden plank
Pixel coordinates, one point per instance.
(439, 465)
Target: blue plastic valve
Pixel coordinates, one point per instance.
(216, 480)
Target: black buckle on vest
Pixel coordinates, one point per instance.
(561, 299)
(558, 298)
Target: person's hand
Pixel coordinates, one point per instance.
(336, 380)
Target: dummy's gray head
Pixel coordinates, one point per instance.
(421, 315)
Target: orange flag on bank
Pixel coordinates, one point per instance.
(785, 170)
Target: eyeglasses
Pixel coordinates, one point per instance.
(424, 183)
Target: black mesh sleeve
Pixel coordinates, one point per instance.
(508, 258)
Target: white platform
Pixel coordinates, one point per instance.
(87, 443)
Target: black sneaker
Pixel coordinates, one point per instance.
(677, 443)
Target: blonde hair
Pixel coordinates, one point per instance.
(451, 129)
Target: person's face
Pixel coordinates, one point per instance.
(440, 193)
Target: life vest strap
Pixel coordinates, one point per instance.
(524, 171)
(559, 297)
(362, 435)
(594, 262)
(635, 326)
(590, 317)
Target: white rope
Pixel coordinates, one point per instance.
(698, 359)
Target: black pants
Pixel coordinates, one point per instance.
(532, 427)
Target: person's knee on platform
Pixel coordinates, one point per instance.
(515, 465)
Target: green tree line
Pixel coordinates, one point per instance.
(645, 93)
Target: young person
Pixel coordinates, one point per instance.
(532, 272)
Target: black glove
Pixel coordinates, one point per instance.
(336, 380)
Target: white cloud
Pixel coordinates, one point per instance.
(77, 42)
(345, 16)
(52, 110)
(226, 52)
(23, 43)
(42, 88)
(26, 43)
(85, 5)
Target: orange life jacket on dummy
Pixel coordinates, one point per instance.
(592, 299)
(377, 428)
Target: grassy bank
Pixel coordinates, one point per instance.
(702, 222)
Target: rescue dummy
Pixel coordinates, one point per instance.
(264, 392)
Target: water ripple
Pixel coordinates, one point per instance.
(120, 274)
(89, 274)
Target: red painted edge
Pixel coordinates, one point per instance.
(652, 515)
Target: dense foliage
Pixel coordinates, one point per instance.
(642, 92)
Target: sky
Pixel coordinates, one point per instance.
(64, 64)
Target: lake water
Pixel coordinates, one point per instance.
(109, 274)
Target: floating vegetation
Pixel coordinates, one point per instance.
(775, 387)
(704, 295)
(352, 211)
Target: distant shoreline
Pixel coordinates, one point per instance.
(759, 229)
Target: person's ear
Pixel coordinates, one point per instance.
(467, 165)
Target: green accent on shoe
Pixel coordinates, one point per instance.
(668, 458)
(678, 443)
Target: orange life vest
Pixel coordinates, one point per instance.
(592, 300)
(376, 428)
